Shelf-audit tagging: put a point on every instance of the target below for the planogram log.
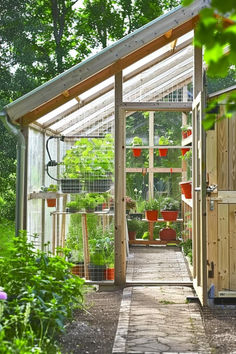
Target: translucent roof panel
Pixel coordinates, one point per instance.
(57, 111)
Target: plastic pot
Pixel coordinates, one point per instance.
(151, 215)
(184, 150)
(51, 203)
(168, 234)
(186, 189)
(136, 152)
(163, 152)
(169, 215)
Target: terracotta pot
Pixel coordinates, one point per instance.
(78, 269)
(168, 234)
(184, 135)
(184, 150)
(169, 215)
(132, 235)
(163, 152)
(136, 152)
(51, 203)
(151, 215)
(110, 274)
(186, 188)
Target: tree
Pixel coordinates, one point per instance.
(218, 37)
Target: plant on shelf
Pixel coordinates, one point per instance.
(72, 207)
(133, 227)
(165, 141)
(186, 131)
(151, 208)
(169, 209)
(53, 188)
(137, 141)
(89, 202)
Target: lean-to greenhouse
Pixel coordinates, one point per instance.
(118, 132)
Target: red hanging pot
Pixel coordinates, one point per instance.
(151, 215)
(184, 150)
(163, 152)
(51, 203)
(137, 152)
(186, 188)
(169, 215)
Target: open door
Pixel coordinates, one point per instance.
(199, 200)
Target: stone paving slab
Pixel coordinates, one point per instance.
(158, 319)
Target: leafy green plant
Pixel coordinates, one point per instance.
(152, 204)
(137, 141)
(169, 204)
(145, 235)
(163, 140)
(187, 248)
(101, 244)
(42, 293)
(73, 205)
(133, 224)
(51, 188)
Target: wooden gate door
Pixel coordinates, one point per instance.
(199, 200)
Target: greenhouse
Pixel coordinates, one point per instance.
(119, 135)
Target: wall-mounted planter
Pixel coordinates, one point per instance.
(186, 189)
(168, 234)
(71, 185)
(51, 203)
(169, 215)
(163, 152)
(151, 215)
(136, 152)
(184, 150)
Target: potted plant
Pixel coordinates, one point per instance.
(151, 209)
(186, 131)
(97, 266)
(133, 227)
(164, 141)
(89, 202)
(130, 204)
(184, 150)
(72, 207)
(76, 259)
(169, 209)
(168, 234)
(137, 142)
(51, 200)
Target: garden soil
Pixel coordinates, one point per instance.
(93, 331)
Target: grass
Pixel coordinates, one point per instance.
(7, 232)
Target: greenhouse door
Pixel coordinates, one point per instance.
(199, 200)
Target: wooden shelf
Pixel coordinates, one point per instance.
(107, 212)
(189, 202)
(187, 141)
(153, 242)
(45, 195)
(162, 220)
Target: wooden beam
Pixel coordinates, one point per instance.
(120, 186)
(27, 111)
(154, 170)
(157, 106)
(151, 157)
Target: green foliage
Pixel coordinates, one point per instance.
(137, 141)
(169, 204)
(134, 224)
(42, 294)
(187, 248)
(101, 243)
(165, 140)
(152, 204)
(7, 232)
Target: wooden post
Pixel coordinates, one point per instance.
(120, 186)
(151, 155)
(53, 233)
(85, 245)
(184, 122)
(63, 222)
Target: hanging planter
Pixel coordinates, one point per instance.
(168, 234)
(51, 203)
(136, 152)
(163, 152)
(184, 150)
(186, 188)
(98, 185)
(71, 185)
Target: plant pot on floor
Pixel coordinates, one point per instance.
(78, 269)
(97, 272)
(110, 274)
(168, 234)
(169, 215)
(186, 189)
(136, 152)
(71, 185)
(132, 235)
(151, 215)
(51, 203)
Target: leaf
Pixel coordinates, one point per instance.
(214, 54)
(187, 2)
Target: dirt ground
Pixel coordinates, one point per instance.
(94, 331)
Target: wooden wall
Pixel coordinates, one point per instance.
(221, 205)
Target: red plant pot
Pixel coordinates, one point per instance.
(51, 203)
(189, 132)
(184, 135)
(137, 152)
(186, 189)
(168, 234)
(110, 274)
(184, 150)
(163, 152)
(169, 215)
(132, 235)
(151, 215)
